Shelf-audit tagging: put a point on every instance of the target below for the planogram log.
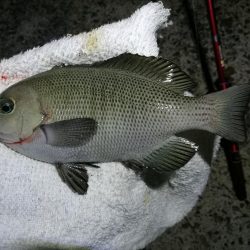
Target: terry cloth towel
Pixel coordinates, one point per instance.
(119, 210)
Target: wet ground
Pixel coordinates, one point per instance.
(219, 220)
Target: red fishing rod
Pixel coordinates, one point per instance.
(231, 149)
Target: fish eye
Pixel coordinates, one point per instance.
(6, 106)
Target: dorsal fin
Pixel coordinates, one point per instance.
(156, 69)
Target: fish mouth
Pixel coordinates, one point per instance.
(29, 138)
(25, 140)
(21, 141)
(4, 138)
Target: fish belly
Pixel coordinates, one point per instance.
(131, 148)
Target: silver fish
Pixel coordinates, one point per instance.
(128, 109)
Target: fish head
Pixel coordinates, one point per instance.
(20, 113)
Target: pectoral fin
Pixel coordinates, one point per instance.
(69, 133)
(74, 175)
(173, 155)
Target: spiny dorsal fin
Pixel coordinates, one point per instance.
(156, 69)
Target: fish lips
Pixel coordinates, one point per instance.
(7, 138)
(10, 139)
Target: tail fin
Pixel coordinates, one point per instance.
(230, 107)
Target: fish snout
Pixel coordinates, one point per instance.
(8, 138)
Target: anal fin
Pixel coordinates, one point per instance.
(174, 154)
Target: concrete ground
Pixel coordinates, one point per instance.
(219, 220)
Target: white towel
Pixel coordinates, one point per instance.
(119, 211)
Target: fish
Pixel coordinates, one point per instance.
(129, 109)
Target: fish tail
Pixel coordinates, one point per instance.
(229, 108)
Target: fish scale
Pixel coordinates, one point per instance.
(132, 112)
(128, 109)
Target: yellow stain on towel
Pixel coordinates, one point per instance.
(146, 198)
(92, 42)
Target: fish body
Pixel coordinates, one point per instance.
(133, 114)
(125, 109)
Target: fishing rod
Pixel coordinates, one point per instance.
(231, 149)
